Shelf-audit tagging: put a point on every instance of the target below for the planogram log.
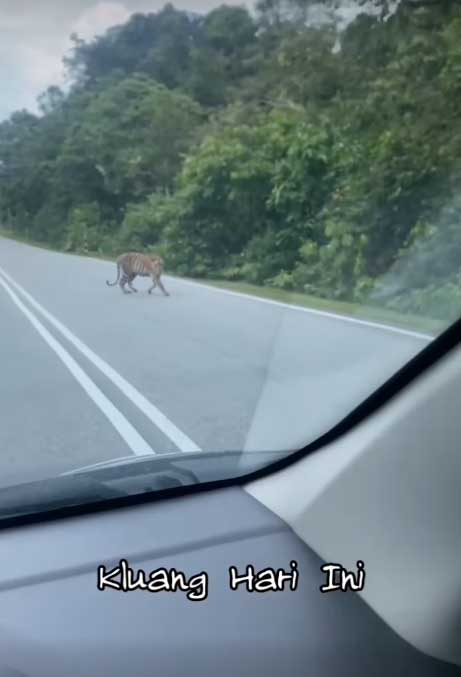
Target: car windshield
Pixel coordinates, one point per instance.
(222, 226)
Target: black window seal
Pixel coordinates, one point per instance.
(430, 355)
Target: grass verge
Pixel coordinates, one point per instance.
(361, 312)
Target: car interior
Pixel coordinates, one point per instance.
(380, 492)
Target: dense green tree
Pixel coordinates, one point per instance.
(132, 136)
(202, 56)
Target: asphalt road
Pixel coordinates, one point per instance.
(90, 374)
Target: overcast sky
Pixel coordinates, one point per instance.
(34, 36)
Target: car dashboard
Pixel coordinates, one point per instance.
(56, 621)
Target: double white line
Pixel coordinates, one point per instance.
(130, 435)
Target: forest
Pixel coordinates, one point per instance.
(278, 147)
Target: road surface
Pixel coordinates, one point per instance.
(90, 374)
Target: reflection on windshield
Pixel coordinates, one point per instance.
(222, 229)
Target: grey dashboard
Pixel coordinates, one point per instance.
(54, 621)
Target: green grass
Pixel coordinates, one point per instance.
(362, 312)
(369, 313)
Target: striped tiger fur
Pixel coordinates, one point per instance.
(132, 265)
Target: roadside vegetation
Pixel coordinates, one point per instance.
(281, 153)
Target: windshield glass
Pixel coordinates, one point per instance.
(222, 227)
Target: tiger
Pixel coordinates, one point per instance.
(132, 264)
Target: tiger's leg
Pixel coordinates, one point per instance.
(123, 280)
(130, 280)
(154, 284)
(159, 283)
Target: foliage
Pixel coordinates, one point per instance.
(278, 150)
(83, 229)
(144, 222)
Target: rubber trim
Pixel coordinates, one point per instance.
(418, 365)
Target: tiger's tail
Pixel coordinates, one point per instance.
(112, 284)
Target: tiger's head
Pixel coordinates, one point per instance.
(157, 262)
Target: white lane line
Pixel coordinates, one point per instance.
(156, 417)
(310, 311)
(136, 443)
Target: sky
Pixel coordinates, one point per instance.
(34, 36)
